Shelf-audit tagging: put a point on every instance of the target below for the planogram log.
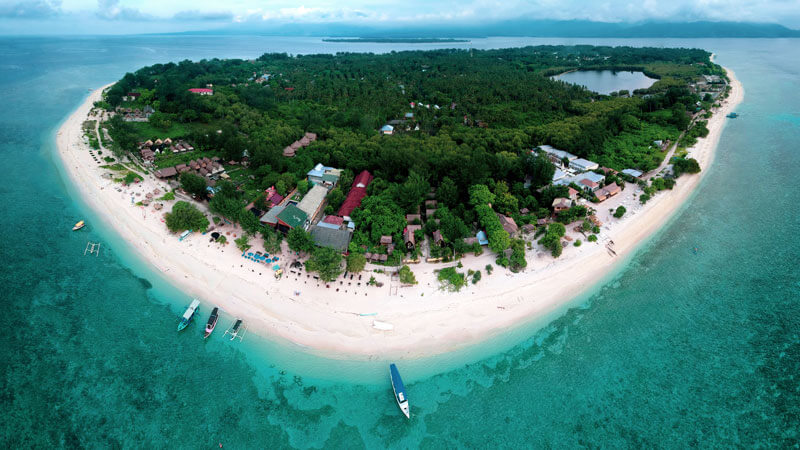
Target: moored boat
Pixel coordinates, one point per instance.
(212, 322)
(237, 330)
(78, 226)
(188, 314)
(399, 390)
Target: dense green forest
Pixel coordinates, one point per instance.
(476, 115)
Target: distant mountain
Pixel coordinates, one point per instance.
(521, 28)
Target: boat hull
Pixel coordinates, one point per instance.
(399, 390)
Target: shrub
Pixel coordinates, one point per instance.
(476, 277)
(325, 261)
(619, 212)
(223, 240)
(243, 243)
(451, 279)
(489, 269)
(592, 238)
(644, 198)
(185, 216)
(407, 276)
(171, 196)
(577, 243)
(355, 262)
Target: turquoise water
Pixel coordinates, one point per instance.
(676, 350)
(607, 81)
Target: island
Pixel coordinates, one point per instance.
(395, 205)
(396, 40)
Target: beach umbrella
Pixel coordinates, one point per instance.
(276, 267)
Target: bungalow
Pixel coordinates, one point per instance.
(387, 129)
(608, 191)
(588, 185)
(325, 176)
(583, 165)
(561, 204)
(541, 222)
(408, 236)
(166, 172)
(291, 217)
(508, 224)
(147, 155)
(272, 197)
(573, 194)
(288, 152)
(437, 238)
(411, 218)
(271, 217)
(431, 204)
(528, 228)
(202, 91)
(311, 204)
(357, 193)
(482, 239)
(386, 240)
(334, 238)
(131, 96)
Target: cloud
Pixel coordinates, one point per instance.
(34, 9)
(196, 15)
(112, 10)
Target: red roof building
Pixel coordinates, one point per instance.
(357, 193)
(202, 91)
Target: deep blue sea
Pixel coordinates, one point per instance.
(675, 350)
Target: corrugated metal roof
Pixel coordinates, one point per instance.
(292, 216)
(313, 199)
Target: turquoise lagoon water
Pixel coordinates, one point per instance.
(607, 81)
(674, 350)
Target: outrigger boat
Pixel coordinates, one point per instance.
(237, 330)
(78, 226)
(399, 390)
(188, 314)
(212, 322)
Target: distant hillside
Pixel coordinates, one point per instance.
(523, 27)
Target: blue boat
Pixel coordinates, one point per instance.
(732, 115)
(188, 314)
(399, 390)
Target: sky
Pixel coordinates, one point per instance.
(148, 16)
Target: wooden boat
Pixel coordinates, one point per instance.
(78, 226)
(237, 330)
(188, 314)
(399, 390)
(211, 323)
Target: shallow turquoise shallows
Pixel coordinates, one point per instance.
(677, 349)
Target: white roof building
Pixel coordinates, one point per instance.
(560, 154)
(583, 164)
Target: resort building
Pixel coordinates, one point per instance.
(324, 176)
(335, 238)
(332, 222)
(311, 204)
(632, 173)
(583, 165)
(291, 217)
(607, 191)
(387, 129)
(357, 193)
(202, 91)
(556, 155)
(270, 218)
(561, 204)
(508, 223)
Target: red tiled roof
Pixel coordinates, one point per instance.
(200, 90)
(333, 220)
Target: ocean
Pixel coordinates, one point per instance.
(675, 349)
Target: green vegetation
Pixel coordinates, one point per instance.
(355, 262)
(242, 243)
(185, 216)
(396, 40)
(619, 212)
(682, 165)
(477, 114)
(552, 238)
(171, 196)
(592, 238)
(327, 262)
(577, 243)
(193, 184)
(300, 240)
(222, 240)
(406, 275)
(451, 279)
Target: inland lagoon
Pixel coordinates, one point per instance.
(607, 81)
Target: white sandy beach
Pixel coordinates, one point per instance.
(426, 320)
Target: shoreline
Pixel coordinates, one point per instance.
(324, 320)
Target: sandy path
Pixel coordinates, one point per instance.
(426, 320)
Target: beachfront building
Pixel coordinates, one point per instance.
(632, 173)
(357, 193)
(335, 238)
(561, 204)
(311, 204)
(508, 223)
(291, 217)
(583, 165)
(324, 176)
(607, 191)
(270, 218)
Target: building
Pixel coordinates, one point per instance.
(556, 155)
(270, 218)
(583, 165)
(508, 224)
(325, 176)
(588, 185)
(559, 174)
(335, 238)
(437, 238)
(573, 194)
(482, 239)
(387, 129)
(311, 204)
(272, 197)
(408, 236)
(632, 173)
(561, 204)
(333, 222)
(357, 193)
(607, 191)
(202, 91)
(291, 217)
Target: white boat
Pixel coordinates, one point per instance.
(188, 314)
(78, 226)
(383, 326)
(184, 234)
(236, 330)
